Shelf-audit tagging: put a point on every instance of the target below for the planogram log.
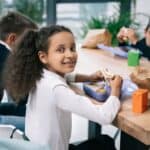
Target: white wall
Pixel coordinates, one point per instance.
(143, 11)
(143, 6)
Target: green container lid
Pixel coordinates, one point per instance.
(133, 58)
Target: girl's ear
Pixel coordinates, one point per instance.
(43, 57)
(11, 38)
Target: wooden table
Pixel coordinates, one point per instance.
(135, 128)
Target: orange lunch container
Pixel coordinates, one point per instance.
(140, 100)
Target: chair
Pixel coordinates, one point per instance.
(17, 144)
(14, 139)
(10, 131)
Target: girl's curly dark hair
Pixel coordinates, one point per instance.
(23, 67)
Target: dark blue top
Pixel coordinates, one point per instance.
(141, 45)
(4, 52)
(9, 108)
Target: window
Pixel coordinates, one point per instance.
(74, 15)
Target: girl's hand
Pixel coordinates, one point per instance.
(97, 76)
(116, 84)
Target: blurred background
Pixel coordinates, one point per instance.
(79, 16)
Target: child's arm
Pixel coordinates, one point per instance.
(68, 100)
(116, 84)
(97, 76)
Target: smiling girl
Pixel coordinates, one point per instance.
(38, 67)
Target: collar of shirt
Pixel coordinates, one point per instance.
(49, 73)
(5, 44)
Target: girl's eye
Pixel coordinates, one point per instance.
(73, 49)
(61, 49)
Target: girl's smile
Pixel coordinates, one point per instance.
(70, 63)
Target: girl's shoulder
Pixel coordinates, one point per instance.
(50, 79)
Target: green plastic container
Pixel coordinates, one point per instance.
(133, 58)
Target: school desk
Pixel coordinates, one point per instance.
(135, 127)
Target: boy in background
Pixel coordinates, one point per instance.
(126, 35)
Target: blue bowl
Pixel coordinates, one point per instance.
(100, 96)
(128, 87)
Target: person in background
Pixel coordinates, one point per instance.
(126, 35)
(141, 77)
(51, 54)
(12, 27)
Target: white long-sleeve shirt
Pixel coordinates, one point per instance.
(49, 108)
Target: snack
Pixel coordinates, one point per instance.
(107, 74)
(101, 90)
(125, 38)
